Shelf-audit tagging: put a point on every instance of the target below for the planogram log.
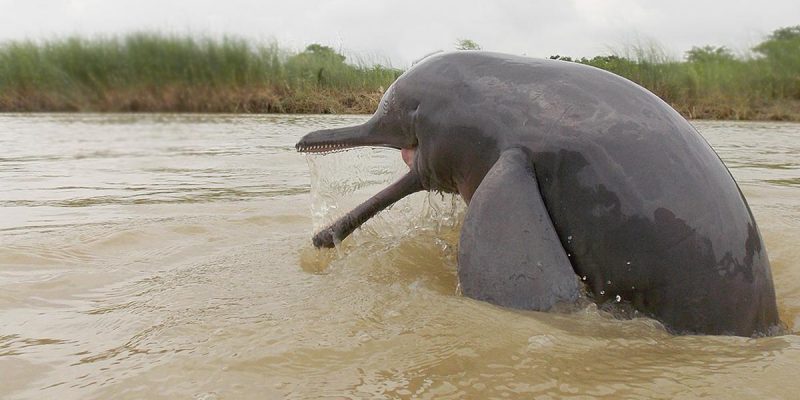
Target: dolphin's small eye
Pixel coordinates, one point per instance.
(387, 99)
(385, 104)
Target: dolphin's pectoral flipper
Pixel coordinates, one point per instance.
(509, 253)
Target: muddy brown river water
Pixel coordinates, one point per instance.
(169, 256)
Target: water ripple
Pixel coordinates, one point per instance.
(147, 256)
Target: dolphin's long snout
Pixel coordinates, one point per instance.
(367, 134)
(333, 139)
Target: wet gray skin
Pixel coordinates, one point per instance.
(571, 174)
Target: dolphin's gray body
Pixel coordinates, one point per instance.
(571, 173)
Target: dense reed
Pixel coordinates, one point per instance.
(156, 72)
(153, 72)
(714, 83)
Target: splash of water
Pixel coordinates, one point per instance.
(342, 180)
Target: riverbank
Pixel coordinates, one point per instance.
(197, 99)
(161, 73)
(320, 101)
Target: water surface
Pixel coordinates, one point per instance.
(169, 256)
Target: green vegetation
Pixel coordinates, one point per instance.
(467, 44)
(153, 72)
(714, 83)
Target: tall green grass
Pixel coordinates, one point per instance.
(157, 72)
(80, 73)
(712, 82)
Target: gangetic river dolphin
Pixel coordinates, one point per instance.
(570, 174)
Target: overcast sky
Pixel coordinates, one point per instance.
(403, 31)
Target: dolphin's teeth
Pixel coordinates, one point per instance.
(325, 148)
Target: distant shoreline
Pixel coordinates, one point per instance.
(151, 72)
(788, 111)
(364, 103)
(264, 100)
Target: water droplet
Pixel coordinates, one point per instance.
(583, 278)
(618, 298)
(539, 341)
(633, 287)
(569, 237)
(569, 255)
(608, 282)
(602, 292)
(629, 263)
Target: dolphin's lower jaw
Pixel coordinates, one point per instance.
(344, 226)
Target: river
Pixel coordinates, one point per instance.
(169, 256)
